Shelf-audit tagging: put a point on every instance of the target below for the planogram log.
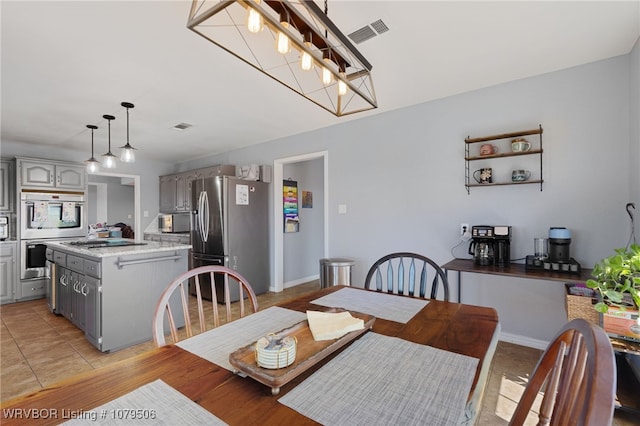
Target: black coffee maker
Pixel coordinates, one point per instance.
(491, 245)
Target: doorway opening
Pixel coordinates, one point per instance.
(278, 204)
(101, 197)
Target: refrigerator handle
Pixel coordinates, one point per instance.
(203, 236)
(205, 216)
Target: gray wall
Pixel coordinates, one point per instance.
(303, 249)
(120, 200)
(402, 176)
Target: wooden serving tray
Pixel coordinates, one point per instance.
(308, 353)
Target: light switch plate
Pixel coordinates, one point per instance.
(342, 209)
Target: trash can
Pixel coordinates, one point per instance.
(335, 271)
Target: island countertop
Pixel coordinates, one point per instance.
(141, 247)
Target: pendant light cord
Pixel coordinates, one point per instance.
(326, 12)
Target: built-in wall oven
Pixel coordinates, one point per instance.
(52, 215)
(46, 217)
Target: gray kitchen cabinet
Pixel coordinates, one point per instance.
(77, 300)
(167, 193)
(32, 289)
(183, 199)
(175, 189)
(7, 186)
(8, 271)
(92, 314)
(35, 173)
(64, 283)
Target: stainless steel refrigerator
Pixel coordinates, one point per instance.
(230, 227)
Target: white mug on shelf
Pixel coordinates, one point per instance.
(520, 145)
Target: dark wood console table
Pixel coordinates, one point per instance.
(628, 395)
(516, 270)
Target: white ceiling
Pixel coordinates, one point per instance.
(66, 64)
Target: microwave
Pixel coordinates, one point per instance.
(4, 228)
(175, 222)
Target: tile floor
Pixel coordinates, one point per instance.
(38, 349)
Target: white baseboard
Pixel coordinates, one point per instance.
(301, 281)
(523, 341)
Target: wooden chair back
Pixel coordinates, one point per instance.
(409, 274)
(195, 309)
(577, 374)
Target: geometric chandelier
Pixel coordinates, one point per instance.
(293, 42)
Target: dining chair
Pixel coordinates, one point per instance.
(397, 273)
(213, 277)
(578, 372)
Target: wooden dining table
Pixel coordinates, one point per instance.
(454, 327)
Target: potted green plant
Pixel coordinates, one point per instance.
(615, 276)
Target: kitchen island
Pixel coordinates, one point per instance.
(109, 288)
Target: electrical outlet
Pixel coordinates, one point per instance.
(464, 227)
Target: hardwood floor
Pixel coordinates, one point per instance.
(39, 348)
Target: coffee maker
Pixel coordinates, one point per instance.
(491, 245)
(558, 258)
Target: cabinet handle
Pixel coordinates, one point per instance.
(122, 263)
(82, 290)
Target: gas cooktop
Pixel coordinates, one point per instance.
(101, 243)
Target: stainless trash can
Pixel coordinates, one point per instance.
(335, 271)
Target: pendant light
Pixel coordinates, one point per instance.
(127, 155)
(342, 86)
(327, 75)
(306, 61)
(283, 45)
(109, 158)
(93, 165)
(255, 22)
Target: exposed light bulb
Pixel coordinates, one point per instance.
(342, 86)
(306, 62)
(282, 43)
(327, 76)
(255, 23)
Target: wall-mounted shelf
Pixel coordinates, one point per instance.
(504, 151)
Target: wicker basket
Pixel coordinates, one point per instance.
(581, 307)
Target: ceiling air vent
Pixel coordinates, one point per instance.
(380, 26)
(181, 126)
(368, 31)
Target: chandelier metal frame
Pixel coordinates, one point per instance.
(310, 31)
